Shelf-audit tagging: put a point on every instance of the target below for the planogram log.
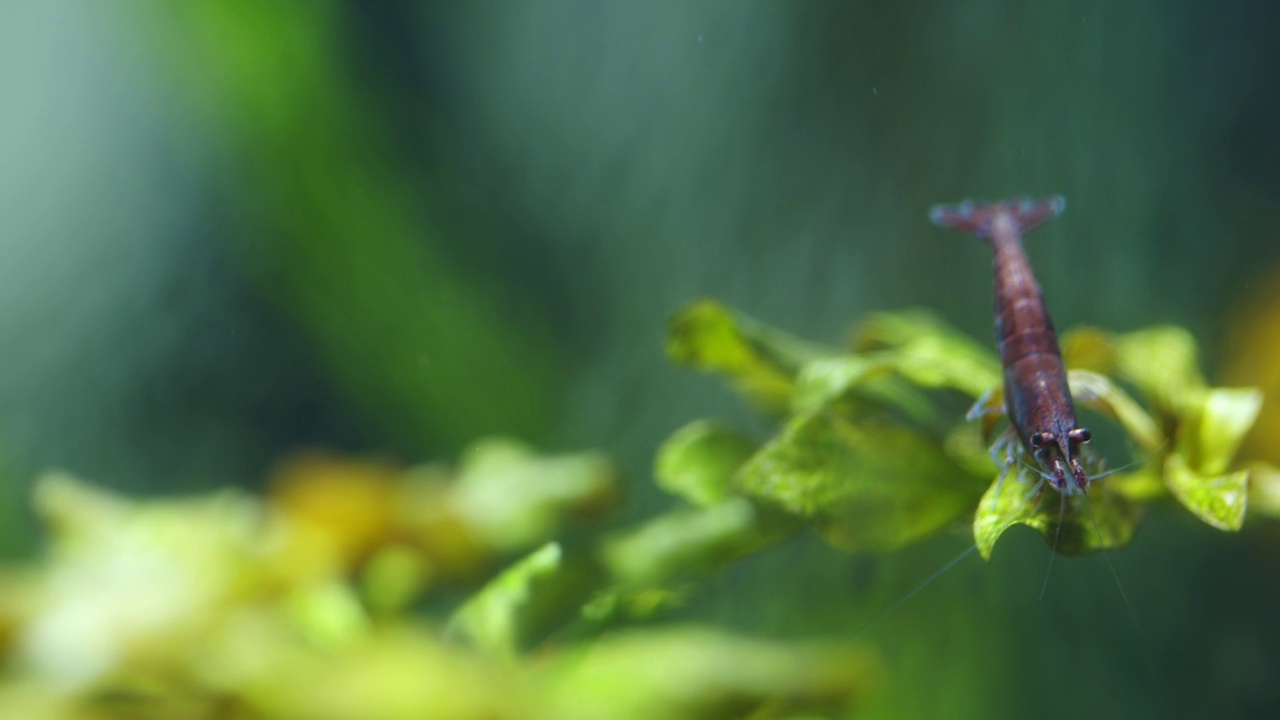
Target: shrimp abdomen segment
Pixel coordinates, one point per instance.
(1037, 394)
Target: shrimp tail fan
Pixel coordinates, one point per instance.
(977, 218)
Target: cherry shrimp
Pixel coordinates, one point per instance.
(1038, 402)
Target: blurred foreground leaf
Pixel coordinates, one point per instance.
(760, 361)
(188, 607)
(1161, 361)
(698, 461)
(684, 673)
(683, 542)
(514, 497)
(1264, 490)
(489, 619)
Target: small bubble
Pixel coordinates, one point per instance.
(700, 38)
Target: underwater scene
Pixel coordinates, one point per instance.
(562, 360)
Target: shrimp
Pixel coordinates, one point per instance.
(1038, 401)
(1037, 397)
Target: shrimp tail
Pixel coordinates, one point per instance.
(977, 218)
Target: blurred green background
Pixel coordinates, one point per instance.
(232, 229)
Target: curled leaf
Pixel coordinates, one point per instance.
(1102, 520)
(1218, 499)
(1226, 416)
(490, 619)
(698, 460)
(759, 360)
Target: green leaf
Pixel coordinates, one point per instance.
(689, 541)
(491, 618)
(1088, 348)
(825, 380)
(1161, 361)
(1264, 490)
(966, 445)
(869, 383)
(1102, 520)
(631, 603)
(1219, 500)
(864, 486)
(1142, 485)
(690, 672)
(698, 460)
(931, 353)
(1226, 416)
(759, 360)
(515, 498)
(1099, 393)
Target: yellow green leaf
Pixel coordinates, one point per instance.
(490, 619)
(1101, 520)
(690, 672)
(1226, 416)
(687, 541)
(760, 361)
(515, 498)
(1098, 392)
(864, 486)
(930, 353)
(1161, 361)
(697, 461)
(1264, 490)
(1219, 500)
(1088, 348)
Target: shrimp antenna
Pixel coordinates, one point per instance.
(1113, 471)
(912, 593)
(943, 570)
(1128, 604)
(1057, 535)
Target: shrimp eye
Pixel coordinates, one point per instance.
(1040, 439)
(1081, 435)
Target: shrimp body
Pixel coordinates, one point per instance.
(1037, 397)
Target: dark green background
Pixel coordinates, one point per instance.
(228, 230)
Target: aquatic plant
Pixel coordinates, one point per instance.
(867, 455)
(361, 589)
(357, 589)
